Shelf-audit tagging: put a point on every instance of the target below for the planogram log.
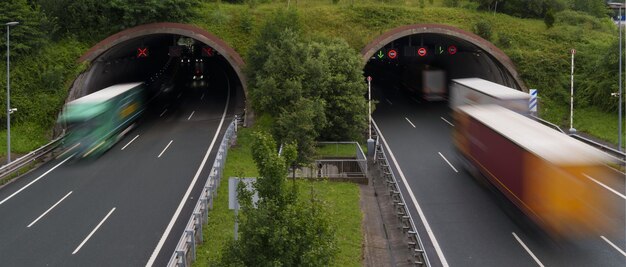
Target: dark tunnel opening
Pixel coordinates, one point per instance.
(169, 65)
(419, 64)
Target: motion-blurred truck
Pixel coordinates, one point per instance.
(434, 87)
(545, 173)
(476, 91)
(95, 122)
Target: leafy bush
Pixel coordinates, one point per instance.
(33, 31)
(483, 29)
(548, 19)
(580, 19)
(505, 40)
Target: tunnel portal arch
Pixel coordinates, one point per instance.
(504, 64)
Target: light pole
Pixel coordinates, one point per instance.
(9, 110)
(619, 128)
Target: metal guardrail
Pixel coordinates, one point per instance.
(185, 252)
(403, 214)
(618, 155)
(32, 156)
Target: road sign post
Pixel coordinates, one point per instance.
(532, 103)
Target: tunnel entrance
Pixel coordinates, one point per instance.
(420, 58)
(168, 57)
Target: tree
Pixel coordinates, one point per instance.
(595, 8)
(549, 19)
(301, 123)
(280, 230)
(32, 32)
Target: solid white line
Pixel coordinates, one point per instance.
(444, 158)
(156, 251)
(527, 250)
(168, 145)
(163, 113)
(389, 101)
(92, 232)
(41, 176)
(407, 119)
(447, 121)
(130, 142)
(442, 258)
(191, 115)
(605, 186)
(44, 214)
(614, 246)
(202, 97)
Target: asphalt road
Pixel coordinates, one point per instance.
(468, 224)
(112, 211)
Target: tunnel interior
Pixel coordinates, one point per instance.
(409, 63)
(167, 63)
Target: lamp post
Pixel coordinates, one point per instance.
(9, 110)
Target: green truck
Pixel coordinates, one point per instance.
(95, 122)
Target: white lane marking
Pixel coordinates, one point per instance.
(444, 158)
(447, 121)
(130, 142)
(46, 212)
(388, 101)
(167, 231)
(614, 246)
(191, 115)
(605, 186)
(407, 119)
(93, 231)
(202, 97)
(417, 206)
(163, 113)
(41, 176)
(68, 150)
(168, 145)
(527, 249)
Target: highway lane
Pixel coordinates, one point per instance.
(471, 225)
(138, 190)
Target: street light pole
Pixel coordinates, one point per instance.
(9, 24)
(619, 131)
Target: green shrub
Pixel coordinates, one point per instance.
(548, 19)
(483, 29)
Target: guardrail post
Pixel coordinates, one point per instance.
(182, 260)
(198, 225)
(192, 243)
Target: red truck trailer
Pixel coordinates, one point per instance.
(543, 172)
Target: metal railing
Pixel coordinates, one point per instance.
(403, 214)
(618, 155)
(32, 156)
(185, 252)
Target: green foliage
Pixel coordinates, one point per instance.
(580, 19)
(522, 8)
(94, 19)
(548, 19)
(301, 123)
(280, 230)
(31, 34)
(451, 3)
(483, 29)
(595, 8)
(505, 40)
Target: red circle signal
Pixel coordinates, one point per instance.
(369, 78)
(452, 50)
(392, 54)
(421, 52)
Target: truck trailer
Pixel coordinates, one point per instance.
(434, 87)
(544, 173)
(95, 122)
(476, 91)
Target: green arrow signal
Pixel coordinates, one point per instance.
(380, 54)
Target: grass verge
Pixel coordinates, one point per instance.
(342, 199)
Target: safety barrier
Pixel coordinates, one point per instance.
(185, 252)
(403, 214)
(32, 156)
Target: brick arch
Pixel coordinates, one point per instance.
(402, 31)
